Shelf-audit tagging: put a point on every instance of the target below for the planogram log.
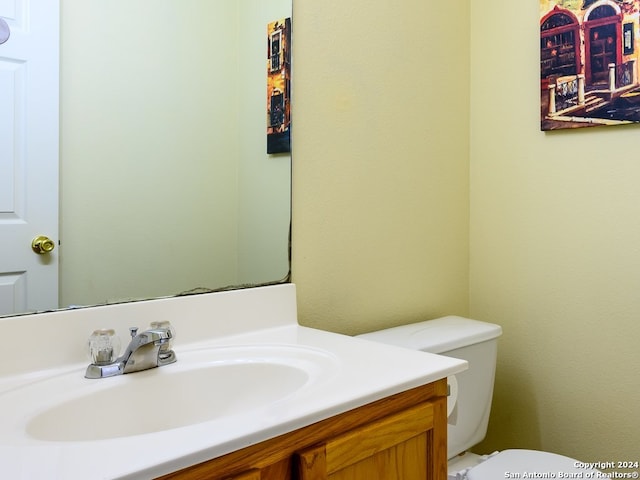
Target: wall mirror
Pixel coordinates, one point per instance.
(166, 186)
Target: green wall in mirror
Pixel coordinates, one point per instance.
(165, 181)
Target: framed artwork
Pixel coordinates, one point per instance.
(279, 86)
(588, 63)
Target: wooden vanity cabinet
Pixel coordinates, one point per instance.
(401, 437)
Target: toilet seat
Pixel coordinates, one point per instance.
(515, 463)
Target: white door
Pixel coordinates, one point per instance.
(29, 91)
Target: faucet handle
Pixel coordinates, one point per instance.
(133, 331)
(103, 346)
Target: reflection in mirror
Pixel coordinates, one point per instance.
(166, 185)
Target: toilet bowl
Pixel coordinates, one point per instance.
(528, 464)
(469, 403)
(517, 463)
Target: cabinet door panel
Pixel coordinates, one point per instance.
(370, 439)
(397, 443)
(405, 461)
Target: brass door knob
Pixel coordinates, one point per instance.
(42, 244)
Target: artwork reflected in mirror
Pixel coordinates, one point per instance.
(279, 86)
(588, 63)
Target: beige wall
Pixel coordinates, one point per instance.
(555, 232)
(380, 209)
(380, 162)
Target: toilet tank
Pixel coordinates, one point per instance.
(466, 339)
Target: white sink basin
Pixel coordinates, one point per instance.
(246, 372)
(203, 385)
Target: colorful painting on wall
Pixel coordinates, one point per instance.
(589, 63)
(279, 86)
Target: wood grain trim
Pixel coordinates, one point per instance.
(438, 464)
(312, 463)
(250, 475)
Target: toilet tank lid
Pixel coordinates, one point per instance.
(439, 335)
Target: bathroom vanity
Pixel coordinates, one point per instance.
(403, 435)
(252, 395)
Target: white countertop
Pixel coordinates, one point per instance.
(355, 372)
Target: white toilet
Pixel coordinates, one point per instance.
(470, 397)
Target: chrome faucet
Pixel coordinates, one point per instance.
(149, 349)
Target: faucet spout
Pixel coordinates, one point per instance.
(148, 350)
